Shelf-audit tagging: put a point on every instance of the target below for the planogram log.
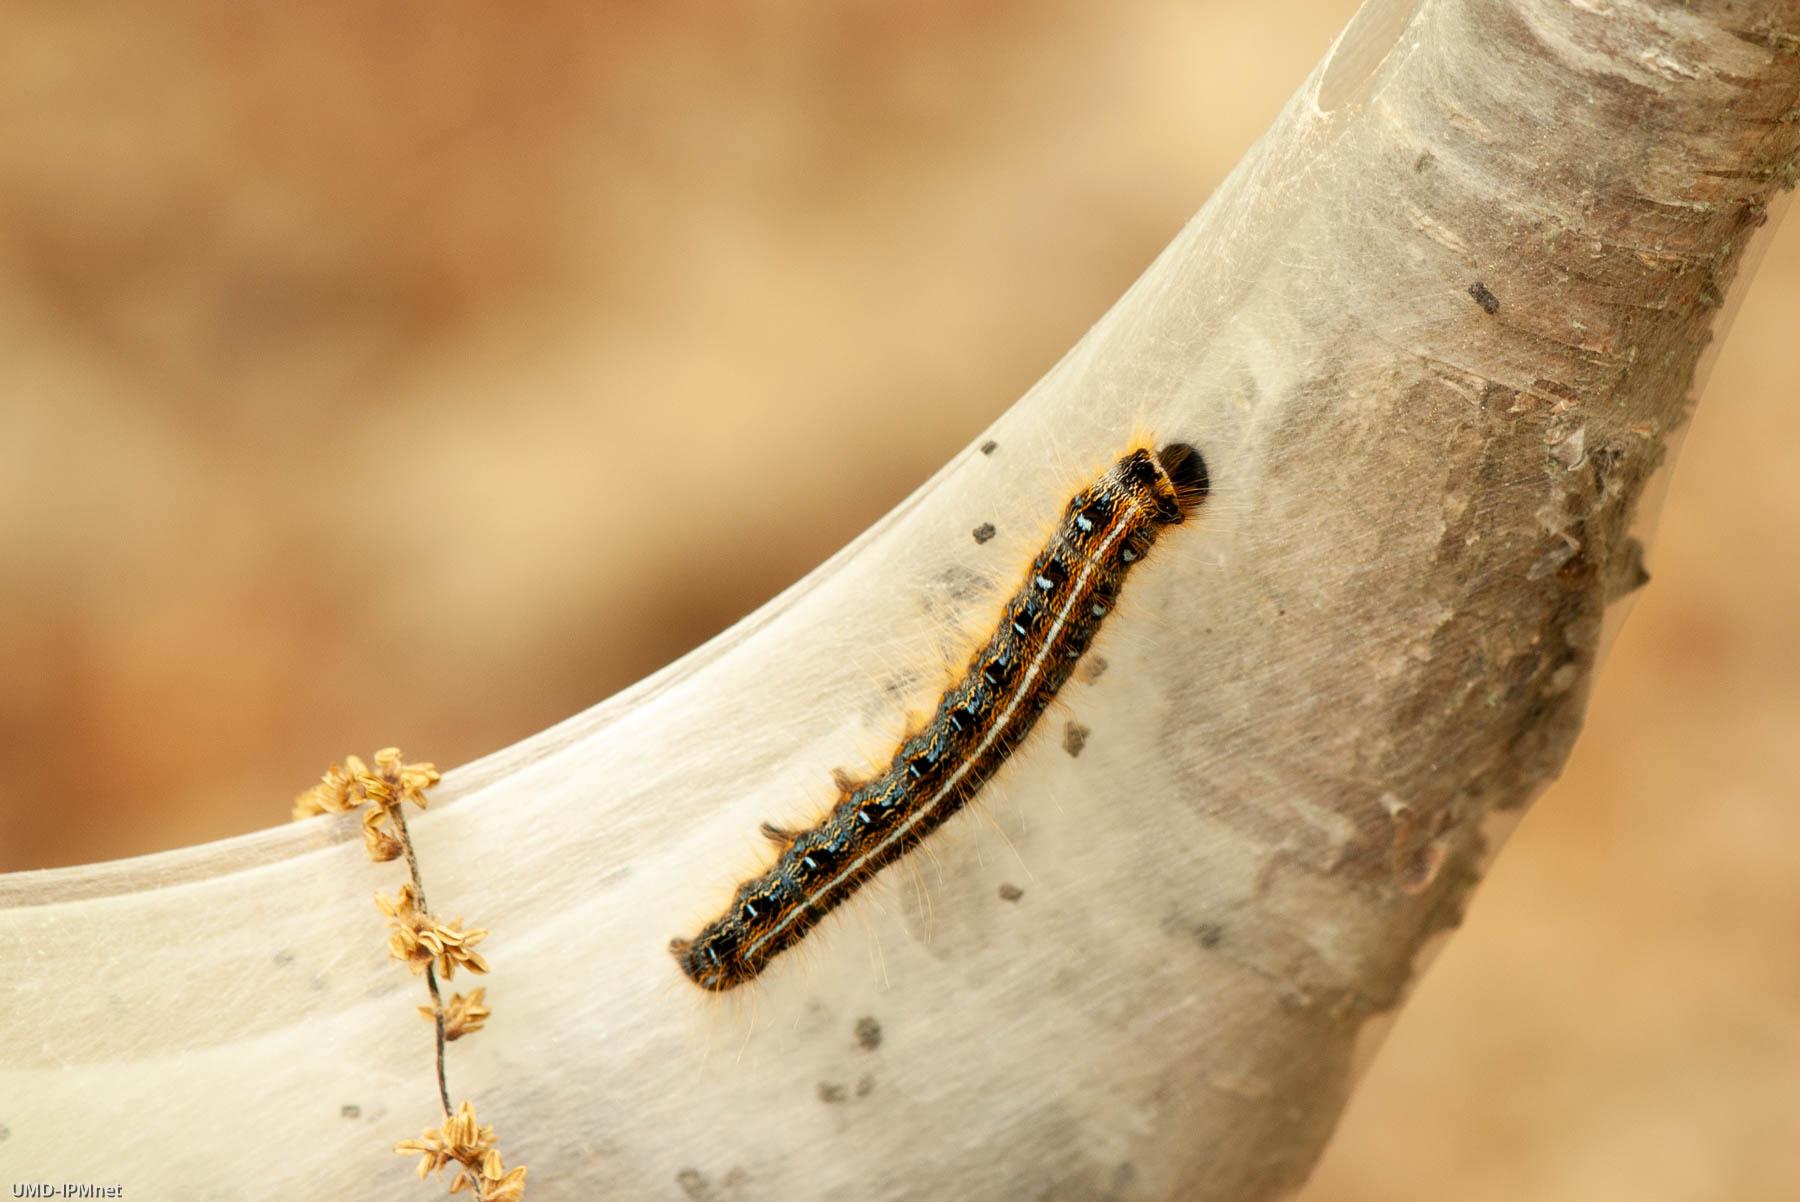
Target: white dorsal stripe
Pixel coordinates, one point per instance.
(1091, 564)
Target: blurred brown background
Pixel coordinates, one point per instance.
(425, 373)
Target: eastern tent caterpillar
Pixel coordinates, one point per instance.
(1107, 528)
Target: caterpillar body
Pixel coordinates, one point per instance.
(1107, 528)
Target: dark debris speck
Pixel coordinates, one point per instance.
(1011, 892)
(989, 447)
(1490, 304)
(868, 1032)
(1075, 737)
(983, 532)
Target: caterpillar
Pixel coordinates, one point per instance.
(1106, 529)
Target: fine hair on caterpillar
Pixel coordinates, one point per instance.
(1070, 587)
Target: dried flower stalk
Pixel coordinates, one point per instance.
(427, 945)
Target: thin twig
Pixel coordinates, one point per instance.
(437, 999)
